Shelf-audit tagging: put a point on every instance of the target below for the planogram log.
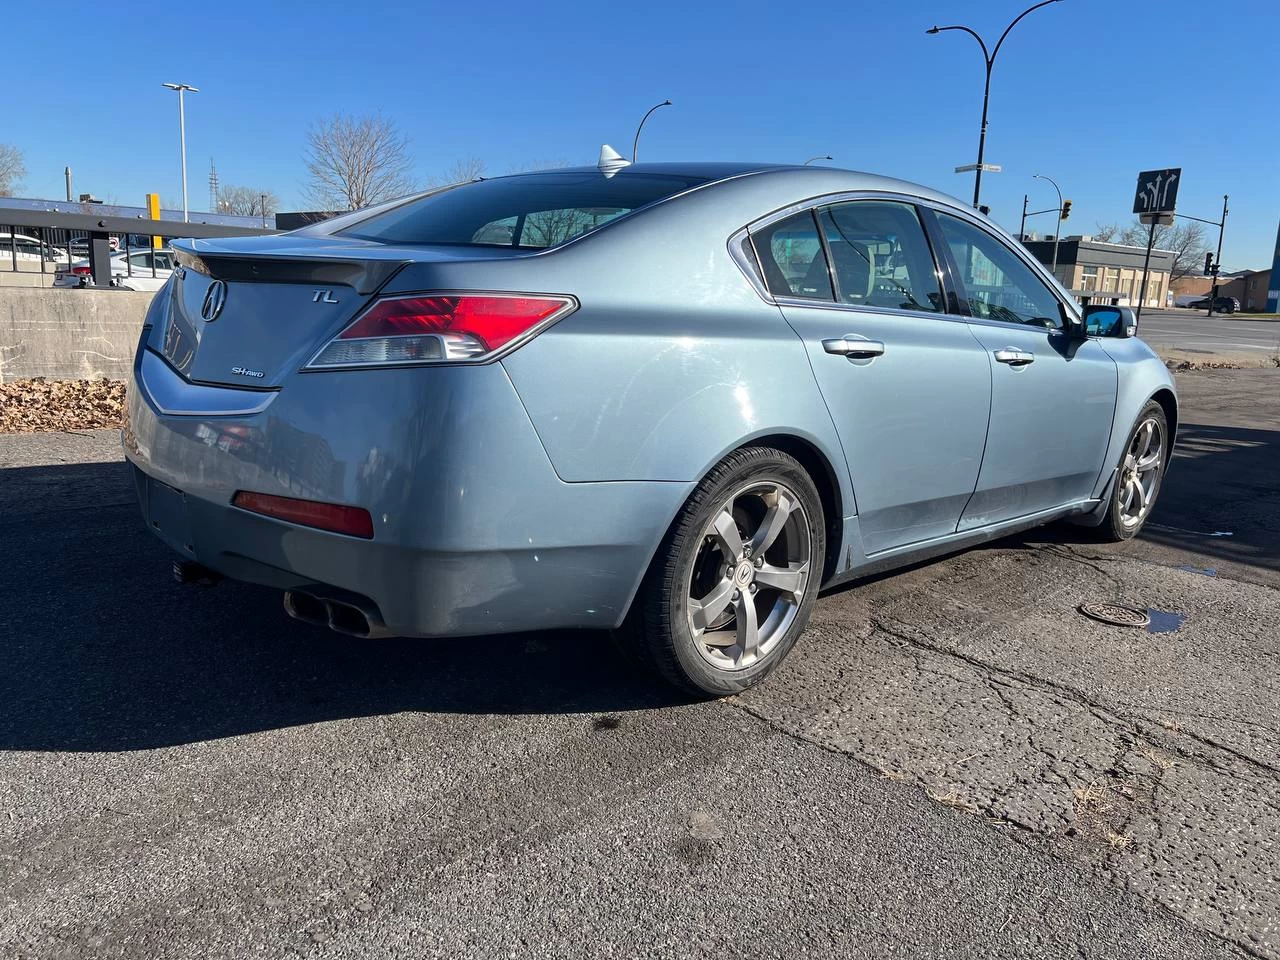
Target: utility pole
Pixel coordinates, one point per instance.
(1022, 228)
(262, 199)
(1217, 263)
(1213, 268)
(1057, 231)
(182, 88)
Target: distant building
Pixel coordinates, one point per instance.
(1097, 272)
(1249, 287)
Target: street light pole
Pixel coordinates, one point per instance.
(635, 147)
(1058, 229)
(989, 59)
(182, 88)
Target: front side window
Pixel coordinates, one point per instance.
(880, 256)
(790, 253)
(998, 285)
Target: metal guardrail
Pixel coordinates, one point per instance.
(41, 241)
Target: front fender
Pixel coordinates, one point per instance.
(1142, 375)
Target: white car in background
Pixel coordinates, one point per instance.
(27, 249)
(145, 270)
(79, 246)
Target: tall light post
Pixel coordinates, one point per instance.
(1057, 231)
(182, 88)
(824, 157)
(989, 59)
(635, 147)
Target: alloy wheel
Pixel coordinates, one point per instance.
(748, 579)
(1140, 472)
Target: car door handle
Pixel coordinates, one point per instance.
(854, 349)
(1016, 358)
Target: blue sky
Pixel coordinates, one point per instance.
(1088, 92)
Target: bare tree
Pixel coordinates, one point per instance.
(12, 169)
(356, 161)
(1186, 240)
(461, 171)
(533, 166)
(1106, 232)
(247, 201)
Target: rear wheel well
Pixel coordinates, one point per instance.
(824, 478)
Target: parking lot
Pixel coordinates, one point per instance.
(953, 762)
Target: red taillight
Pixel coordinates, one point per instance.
(442, 328)
(353, 521)
(81, 271)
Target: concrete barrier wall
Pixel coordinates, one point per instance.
(69, 334)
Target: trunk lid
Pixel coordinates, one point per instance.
(249, 311)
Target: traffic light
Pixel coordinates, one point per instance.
(1066, 209)
(1208, 261)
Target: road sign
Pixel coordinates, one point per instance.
(1157, 191)
(985, 167)
(1161, 219)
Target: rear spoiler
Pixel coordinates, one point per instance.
(365, 276)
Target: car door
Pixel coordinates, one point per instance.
(140, 272)
(1052, 398)
(907, 384)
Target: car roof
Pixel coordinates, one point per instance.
(786, 178)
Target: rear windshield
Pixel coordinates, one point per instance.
(533, 211)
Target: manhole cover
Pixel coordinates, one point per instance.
(1116, 615)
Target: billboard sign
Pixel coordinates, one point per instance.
(1157, 191)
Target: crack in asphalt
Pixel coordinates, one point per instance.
(1104, 713)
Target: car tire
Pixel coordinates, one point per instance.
(734, 581)
(1134, 482)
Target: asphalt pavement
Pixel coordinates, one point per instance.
(1193, 332)
(952, 762)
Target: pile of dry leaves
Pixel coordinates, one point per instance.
(28, 406)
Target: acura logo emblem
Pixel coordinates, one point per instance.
(214, 300)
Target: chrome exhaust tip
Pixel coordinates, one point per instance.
(305, 607)
(340, 615)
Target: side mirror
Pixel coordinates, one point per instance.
(1103, 320)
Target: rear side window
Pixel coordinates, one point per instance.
(790, 253)
(880, 255)
(529, 212)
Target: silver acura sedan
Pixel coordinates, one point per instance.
(673, 401)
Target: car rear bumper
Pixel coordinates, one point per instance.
(473, 531)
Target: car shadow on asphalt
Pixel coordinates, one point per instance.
(102, 650)
(1220, 500)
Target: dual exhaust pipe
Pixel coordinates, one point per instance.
(343, 614)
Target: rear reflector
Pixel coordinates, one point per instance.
(353, 521)
(440, 328)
